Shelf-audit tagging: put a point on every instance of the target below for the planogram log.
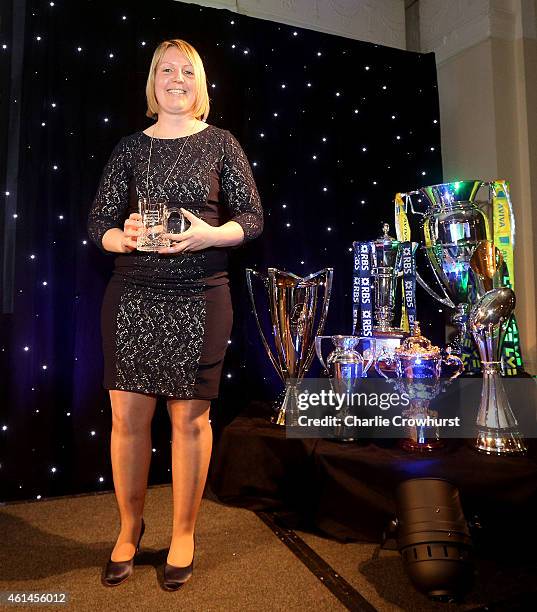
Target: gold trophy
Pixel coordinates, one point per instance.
(418, 367)
(298, 314)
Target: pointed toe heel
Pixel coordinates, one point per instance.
(116, 572)
(175, 577)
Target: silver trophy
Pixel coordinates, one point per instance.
(346, 367)
(298, 314)
(452, 226)
(496, 424)
(345, 364)
(385, 271)
(386, 260)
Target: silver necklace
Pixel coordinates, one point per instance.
(172, 168)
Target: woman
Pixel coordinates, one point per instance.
(166, 315)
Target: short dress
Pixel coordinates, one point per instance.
(166, 319)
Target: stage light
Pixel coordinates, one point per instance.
(433, 538)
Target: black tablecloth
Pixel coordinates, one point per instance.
(346, 490)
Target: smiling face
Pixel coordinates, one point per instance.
(175, 83)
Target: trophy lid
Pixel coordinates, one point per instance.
(385, 242)
(385, 238)
(417, 345)
(384, 249)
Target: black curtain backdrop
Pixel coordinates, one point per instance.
(332, 127)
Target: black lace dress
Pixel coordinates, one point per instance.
(166, 319)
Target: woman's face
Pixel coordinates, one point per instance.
(175, 84)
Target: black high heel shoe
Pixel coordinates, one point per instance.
(175, 577)
(116, 572)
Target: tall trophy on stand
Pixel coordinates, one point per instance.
(378, 267)
(298, 307)
(386, 267)
(497, 427)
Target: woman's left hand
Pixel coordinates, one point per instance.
(198, 236)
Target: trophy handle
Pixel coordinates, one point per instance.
(386, 358)
(319, 350)
(249, 274)
(373, 353)
(446, 301)
(328, 278)
(409, 202)
(453, 360)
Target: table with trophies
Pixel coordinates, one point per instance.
(342, 483)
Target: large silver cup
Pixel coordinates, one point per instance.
(497, 427)
(298, 314)
(452, 226)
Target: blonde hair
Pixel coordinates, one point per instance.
(201, 100)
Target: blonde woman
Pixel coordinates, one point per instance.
(166, 316)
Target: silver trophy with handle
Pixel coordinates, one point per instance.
(453, 224)
(298, 307)
(346, 367)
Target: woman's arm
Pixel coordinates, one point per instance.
(240, 190)
(242, 199)
(229, 234)
(116, 240)
(110, 205)
(200, 235)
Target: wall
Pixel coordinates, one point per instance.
(486, 53)
(377, 21)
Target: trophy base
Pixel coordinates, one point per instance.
(287, 407)
(343, 434)
(385, 331)
(153, 247)
(412, 446)
(279, 418)
(500, 442)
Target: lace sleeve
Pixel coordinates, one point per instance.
(112, 199)
(239, 187)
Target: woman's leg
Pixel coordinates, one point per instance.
(192, 438)
(130, 449)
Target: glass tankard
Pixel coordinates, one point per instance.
(155, 220)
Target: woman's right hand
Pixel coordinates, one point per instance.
(131, 230)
